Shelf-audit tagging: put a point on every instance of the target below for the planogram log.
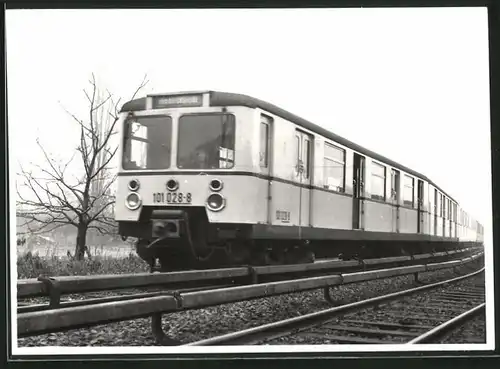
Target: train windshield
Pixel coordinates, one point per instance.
(147, 143)
(206, 141)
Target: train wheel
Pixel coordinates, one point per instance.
(212, 258)
(175, 259)
(275, 256)
(238, 253)
(299, 255)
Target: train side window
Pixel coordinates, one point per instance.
(394, 184)
(435, 202)
(409, 191)
(334, 168)
(378, 181)
(307, 158)
(297, 153)
(264, 145)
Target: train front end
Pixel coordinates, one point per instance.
(176, 173)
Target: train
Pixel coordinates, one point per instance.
(212, 179)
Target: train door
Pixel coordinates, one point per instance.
(358, 190)
(266, 159)
(420, 205)
(304, 173)
(395, 199)
(436, 207)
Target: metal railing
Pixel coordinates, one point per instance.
(64, 318)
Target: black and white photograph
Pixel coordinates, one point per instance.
(213, 181)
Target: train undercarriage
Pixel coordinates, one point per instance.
(176, 239)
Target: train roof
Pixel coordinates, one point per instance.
(231, 99)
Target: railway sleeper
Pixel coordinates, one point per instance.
(371, 332)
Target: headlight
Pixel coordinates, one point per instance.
(133, 201)
(172, 185)
(216, 185)
(216, 202)
(133, 185)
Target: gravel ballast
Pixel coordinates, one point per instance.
(416, 312)
(471, 332)
(188, 326)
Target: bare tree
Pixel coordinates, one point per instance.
(57, 197)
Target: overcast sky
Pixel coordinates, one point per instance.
(410, 84)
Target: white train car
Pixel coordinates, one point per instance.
(212, 178)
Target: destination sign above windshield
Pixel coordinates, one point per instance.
(162, 102)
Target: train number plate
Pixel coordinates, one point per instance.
(172, 198)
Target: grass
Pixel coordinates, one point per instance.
(31, 264)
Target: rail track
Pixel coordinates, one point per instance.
(69, 305)
(425, 314)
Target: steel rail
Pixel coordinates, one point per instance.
(448, 326)
(282, 327)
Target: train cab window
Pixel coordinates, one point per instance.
(409, 191)
(206, 141)
(378, 181)
(147, 143)
(334, 168)
(264, 145)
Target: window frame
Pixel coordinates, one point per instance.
(376, 196)
(127, 140)
(229, 114)
(335, 160)
(264, 161)
(405, 186)
(308, 156)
